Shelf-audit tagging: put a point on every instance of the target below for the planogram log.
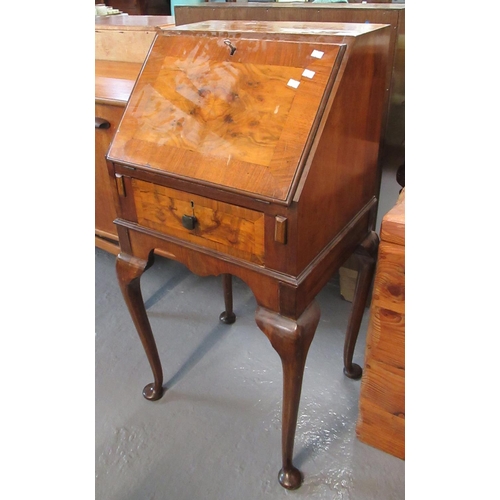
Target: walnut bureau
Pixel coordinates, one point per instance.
(251, 149)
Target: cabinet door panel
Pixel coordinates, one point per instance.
(105, 212)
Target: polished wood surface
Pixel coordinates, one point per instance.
(374, 13)
(291, 340)
(381, 421)
(114, 81)
(250, 149)
(248, 119)
(221, 226)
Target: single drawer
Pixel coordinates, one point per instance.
(226, 228)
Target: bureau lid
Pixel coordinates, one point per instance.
(238, 113)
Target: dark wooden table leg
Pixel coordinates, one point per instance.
(366, 255)
(228, 317)
(291, 339)
(129, 271)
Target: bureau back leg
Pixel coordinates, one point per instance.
(227, 316)
(366, 255)
(291, 339)
(129, 271)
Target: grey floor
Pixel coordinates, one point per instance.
(215, 434)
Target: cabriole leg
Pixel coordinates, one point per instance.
(291, 339)
(228, 317)
(366, 254)
(129, 271)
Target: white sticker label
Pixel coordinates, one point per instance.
(317, 54)
(293, 83)
(308, 73)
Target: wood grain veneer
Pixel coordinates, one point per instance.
(250, 149)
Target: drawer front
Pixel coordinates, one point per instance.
(226, 228)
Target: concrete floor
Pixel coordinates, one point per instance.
(216, 433)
